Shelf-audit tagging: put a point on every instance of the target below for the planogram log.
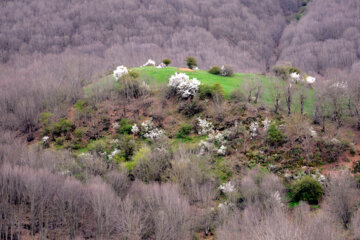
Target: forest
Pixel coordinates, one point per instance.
(245, 111)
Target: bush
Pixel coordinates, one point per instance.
(284, 71)
(130, 87)
(274, 136)
(215, 70)
(125, 126)
(45, 118)
(237, 96)
(63, 126)
(184, 131)
(227, 71)
(306, 189)
(166, 61)
(207, 91)
(191, 62)
(59, 141)
(133, 74)
(191, 109)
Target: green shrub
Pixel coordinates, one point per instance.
(207, 91)
(274, 136)
(125, 126)
(306, 189)
(237, 96)
(127, 146)
(356, 167)
(284, 71)
(63, 126)
(59, 141)
(215, 70)
(166, 61)
(184, 131)
(98, 146)
(45, 118)
(133, 74)
(191, 62)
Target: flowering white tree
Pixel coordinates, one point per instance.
(183, 85)
(222, 150)
(266, 124)
(227, 187)
(254, 126)
(120, 71)
(294, 77)
(150, 131)
(205, 127)
(149, 63)
(310, 80)
(135, 129)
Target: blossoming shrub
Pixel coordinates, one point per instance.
(148, 130)
(120, 71)
(183, 85)
(149, 63)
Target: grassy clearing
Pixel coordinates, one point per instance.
(155, 76)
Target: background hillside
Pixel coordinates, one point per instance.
(251, 35)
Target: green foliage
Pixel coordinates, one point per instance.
(63, 126)
(191, 62)
(284, 71)
(98, 146)
(59, 141)
(125, 126)
(134, 74)
(356, 167)
(215, 70)
(166, 61)
(45, 118)
(127, 146)
(274, 136)
(306, 189)
(207, 91)
(184, 131)
(237, 96)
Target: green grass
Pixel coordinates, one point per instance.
(155, 76)
(160, 76)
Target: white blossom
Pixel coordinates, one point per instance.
(313, 133)
(114, 153)
(335, 141)
(227, 187)
(149, 63)
(222, 150)
(154, 134)
(120, 71)
(45, 139)
(310, 80)
(206, 146)
(151, 131)
(115, 125)
(294, 77)
(205, 127)
(183, 85)
(266, 124)
(254, 126)
(161, 65)
(135, 129)
(147, 125)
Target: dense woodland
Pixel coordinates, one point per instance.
(152, 154)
